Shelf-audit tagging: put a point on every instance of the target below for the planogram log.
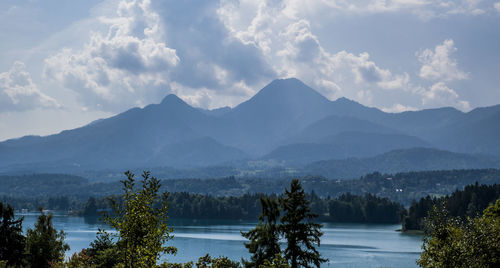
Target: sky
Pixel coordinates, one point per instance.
(65, 63)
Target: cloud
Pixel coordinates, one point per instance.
(497, 6)
(437, 64)
(439, 67)
(130, 64)
(227, 52)
(19, 93)
(283, 34)
(439, 94)
(208, 98)
(127, 65)
(398, 108)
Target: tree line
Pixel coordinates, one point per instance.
(345, 208)
(469, 202)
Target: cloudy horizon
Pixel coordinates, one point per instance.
(67, 63)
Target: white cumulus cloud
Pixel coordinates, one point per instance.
(229, 50)
(438, 64)
(127, 65)
(19, 93)
(398, 108)
(283, 34)
(439, 94)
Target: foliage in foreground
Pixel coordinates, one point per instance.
(141, 222)
(12, 240)
(296, 226)
(300, 231)
(264, 238)
(43, 246)
(452, 242)
(142, 228)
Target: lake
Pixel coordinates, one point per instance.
(345, 245)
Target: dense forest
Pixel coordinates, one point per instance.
(345, 208)
(401, 187)
(469, 202)
(183, 205)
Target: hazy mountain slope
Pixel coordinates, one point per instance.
(478, 132)
(204, 151)
(417, 159)
(421, 123)
(277, 111)
(343, 145)
(129, 139)
(332, 125)
(345, 107)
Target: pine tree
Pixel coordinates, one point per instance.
(45, 245)
(12, 241)
(301, 233)
(264, 238)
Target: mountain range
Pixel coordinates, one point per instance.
(286, 124)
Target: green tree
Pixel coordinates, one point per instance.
(45, 246)
(12, 240)
(264, 238)
(220, 262)
(90, 208)
(450, 242)
(103, 252)
(142, 226)
(441, 231)
(301, 233)
(277, 262)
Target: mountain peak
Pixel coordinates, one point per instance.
(172, 99)
(287, 83)
(344, 100)
(288, 88)
(284, 81)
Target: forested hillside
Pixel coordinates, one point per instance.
(469, 202)
(402, 187)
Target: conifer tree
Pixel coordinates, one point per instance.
(45, 246)
(12, 240)
(264, 238)
(301, 233)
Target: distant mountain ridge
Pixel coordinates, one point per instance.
(286, 123)
(403, 160)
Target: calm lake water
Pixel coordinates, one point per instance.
(346, 245)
